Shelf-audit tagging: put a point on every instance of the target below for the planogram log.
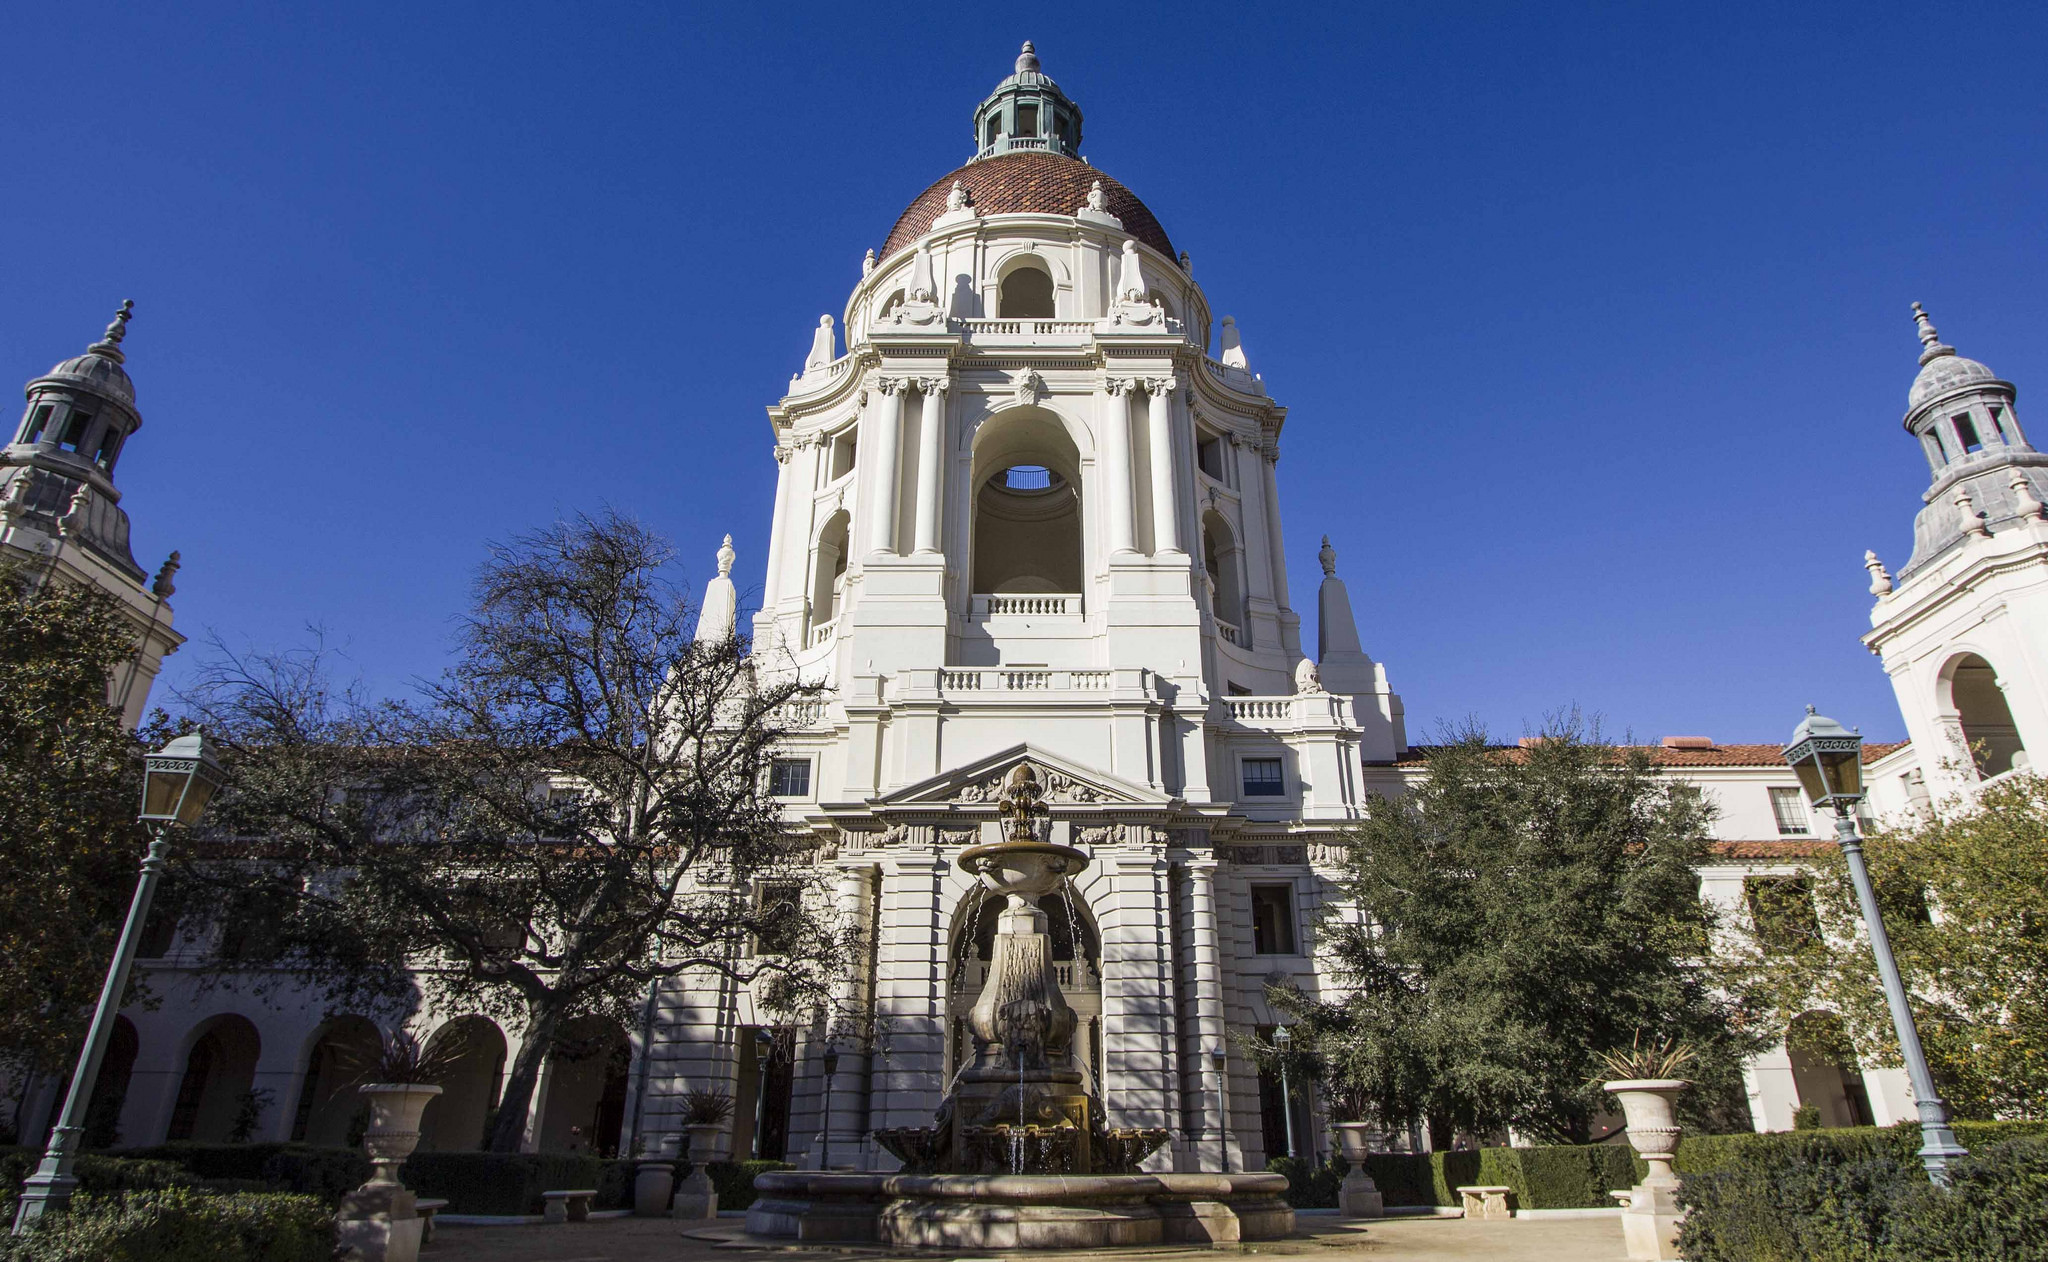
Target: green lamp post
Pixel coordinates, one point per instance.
(177, 783)
(1828, 759)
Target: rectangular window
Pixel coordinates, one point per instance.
(1998, 424)
(1781, 908)
(1966, 434)
(1027, 120)
(995, 129)
(1263, 778)
(777, 908)
(1789, 806)
(74, 429)
(110, 446)
(1209, 455)
(37, 423)
(789, 778)
(1273, 920)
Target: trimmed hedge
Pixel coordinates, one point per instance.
(179, 1225)
(501, 1182)
(734, 1180)
(1796, 1201)
(96, 1175)
(305, 1169)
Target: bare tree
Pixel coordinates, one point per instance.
(576, 811)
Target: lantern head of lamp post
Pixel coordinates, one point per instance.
(179, 780)
(1828, 759)
(831, 1059)
(1282, 1039)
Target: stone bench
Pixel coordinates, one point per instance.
(426, 1208)
(1487, 1201)
(567, 1207)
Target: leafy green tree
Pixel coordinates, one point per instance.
(577, 811)
(1965, 898)
(1515, 914)
(69, 785)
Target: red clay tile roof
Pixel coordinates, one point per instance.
(1800, 848)
(1028, 183)
(1714, 756)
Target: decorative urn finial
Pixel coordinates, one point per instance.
(1880, 578)
(725, 557)
(1328, 556)
(110, 341)
(1027, 61)
(163, 588)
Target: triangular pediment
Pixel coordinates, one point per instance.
(1067, 783)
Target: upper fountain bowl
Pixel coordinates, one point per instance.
(1025, 868)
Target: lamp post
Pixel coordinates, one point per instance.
(764, 1051)
(1220, 1060)
(1284, 1042)
(177, 782)
(1829, 761)
(831, 1062)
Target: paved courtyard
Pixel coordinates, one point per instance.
(1389, 1240)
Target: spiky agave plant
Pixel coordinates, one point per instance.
(1660, 1058)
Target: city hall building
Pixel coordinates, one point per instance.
(1025, 510)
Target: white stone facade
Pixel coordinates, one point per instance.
(1025, 513)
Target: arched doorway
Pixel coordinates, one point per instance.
(1027, 507)
(215, 1101)
(586, 1104)
(1223, 562)
(331, 1112)
(459, 1118)
(1825, 1072)
(1976, 704)
(110, 1086)
(1077, 962)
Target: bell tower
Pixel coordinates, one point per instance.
(61, 512)
(1963, 627)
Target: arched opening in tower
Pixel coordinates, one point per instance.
(1223, 564)
(1027, 507)
(1978, 705)
(1026, 294)
(828, 571)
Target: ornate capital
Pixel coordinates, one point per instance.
(933, 385)
(892, 385)
(1270, 449)
(783, 452)
(1161, 387)
(1120, 386)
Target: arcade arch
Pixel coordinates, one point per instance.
(1077, 961)
(329, 1105)
(1824, 1070)
(220, 1069)
(455, 1120)
(587, 1076)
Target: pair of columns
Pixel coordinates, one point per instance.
(1116, 460)
(887, 446)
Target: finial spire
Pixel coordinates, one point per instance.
(1027, 61)
(726, 556)
(1929, 339)
(109, 344)
(1328, 556)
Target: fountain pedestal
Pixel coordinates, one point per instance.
(1018, 1157)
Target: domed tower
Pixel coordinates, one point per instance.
(1025, 516)
(59, 506)
(1963, 627)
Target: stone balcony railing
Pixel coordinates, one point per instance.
(1011, 679)
(1026, 332)
(1033, 605)
(822, 633)
(1275, 713)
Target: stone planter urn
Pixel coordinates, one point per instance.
(654, 1179)
(1358, 1196)
(1649, 1223)
(379, 1218)
(695, 1197)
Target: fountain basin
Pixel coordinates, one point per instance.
(1024, 868)
(1020, 1211)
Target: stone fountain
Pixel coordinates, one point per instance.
(1019, 1156)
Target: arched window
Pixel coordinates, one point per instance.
(828, 582)
(1026, 294)
(1027, 532)
(1977, 705)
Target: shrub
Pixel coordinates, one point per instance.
(1817, 1196)
(179, 1225)
(1560, 1176)
(1403, 1178)
(734, 1180)
(1309, 1186)
(327, 1173)
(96, 1175)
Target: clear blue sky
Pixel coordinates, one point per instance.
(1592, 320)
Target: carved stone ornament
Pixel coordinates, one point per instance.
(1308, 678)
(1027, 388)
(956, 197)
(1118, 387)
(1054, 786)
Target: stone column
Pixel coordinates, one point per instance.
(1208, 1008)
(771, 591)
(1118, 497)
(931, 442)
(1269, 456)
(848, 1123)
(1165, 503)
(888, 436)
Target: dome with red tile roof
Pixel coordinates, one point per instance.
(1027, 183)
